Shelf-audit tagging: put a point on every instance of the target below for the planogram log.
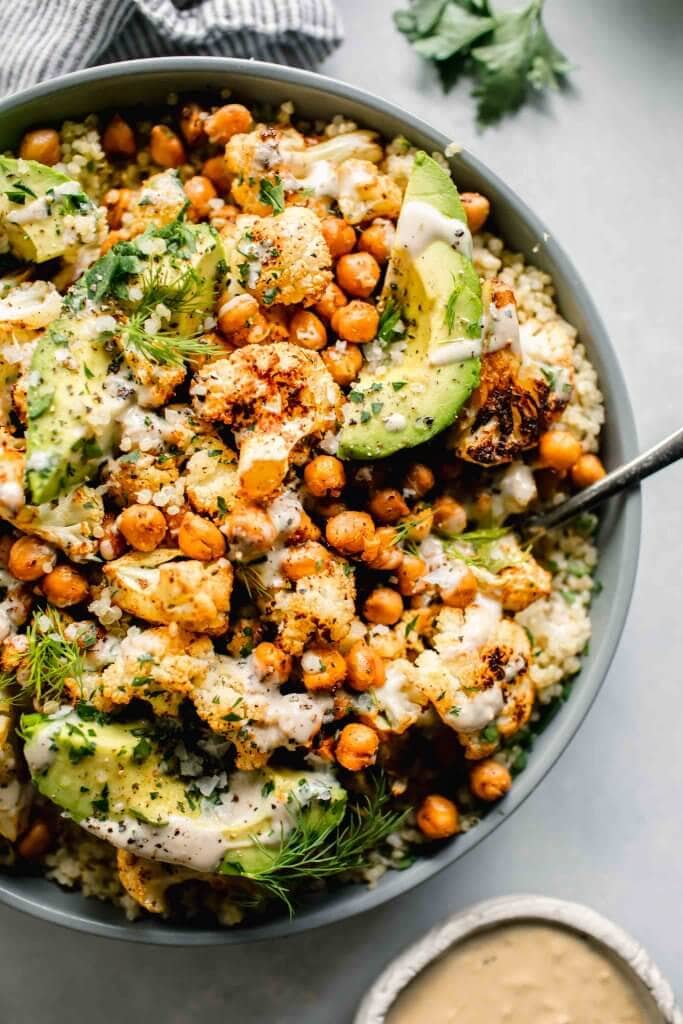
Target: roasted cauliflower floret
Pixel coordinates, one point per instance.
(365, 193)
(157, 202)
(278, 399)
(157, 381)
(131, 475)
(319, 606)
(15, 605)
(15, 794)
(160, 587)
(28, 306)
(72, 523)
(12, 464)
(211, 480)
(397, 704)
(282, 259)
(520, 582)
(252, 156)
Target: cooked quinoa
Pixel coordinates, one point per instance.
(357, 652)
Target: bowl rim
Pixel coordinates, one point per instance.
(573, 712)
(522, 907)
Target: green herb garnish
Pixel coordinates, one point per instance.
(272, 193)
(390, 324)
(49, 660)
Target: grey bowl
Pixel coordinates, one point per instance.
(147, 81)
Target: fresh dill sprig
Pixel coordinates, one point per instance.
(390, 323)
(482, 544)
(316, 850)
(50, 659)
(251, 580)
(403, 528)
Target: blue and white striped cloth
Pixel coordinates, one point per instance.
(50, 38)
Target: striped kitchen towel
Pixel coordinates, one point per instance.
(55, 36)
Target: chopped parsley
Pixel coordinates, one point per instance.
(272, 193)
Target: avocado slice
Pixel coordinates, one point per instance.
(433, 312)
(109, 777)
(38, 207)
(77, 389)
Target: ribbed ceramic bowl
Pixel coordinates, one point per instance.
(617, 945)
(148, 81)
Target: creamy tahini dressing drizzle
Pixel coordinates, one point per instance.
(420, 224)
(501, 328)
(526, 973)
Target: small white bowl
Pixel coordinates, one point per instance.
(629, 953)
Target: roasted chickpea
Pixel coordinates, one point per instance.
(198, 538)
(232, 119)
(378, 239)
(216, 170)
(165, 148)
(349, 531)
(382, 552)
(419, 479)
(417, 525)
(325, 476)
(143, 526)
(30, 558)
(65, 586)
(250, 529)
(365, 667)
(113, 544)
(383, 606)
(489, 780)
(270, 661)
(587, 470)
(333, 298)
(118, 138)
(358, 274)
(410, 573)
(339, 235)
(357, 322)
(42, 145)
(322, 668)
(558, 450)
(343, 365)
(357, 747)
(450, 517)
(463, 593)
(200, 191)
(477, 209)
(437, 817)
(241, 321)
(387, 505)
(192, 123)
(36, 841)
(304, 560)
(307, 330)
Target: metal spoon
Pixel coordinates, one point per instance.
(663, 454)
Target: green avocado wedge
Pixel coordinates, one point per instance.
(431, 298)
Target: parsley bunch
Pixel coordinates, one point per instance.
(507, 53)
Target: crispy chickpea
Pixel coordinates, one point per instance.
(559, 450)
(450, 517)
(333, 298)
(419, 479)
(339, 235)
(437, 817)
(192, 123)
(269, 660)
(322, 668)
(307, 330)
(232, 119)
(30, 558)
(198, 538)
(325, 476)
(35, 841)
(365, 667)
(42, 145)
(489, 780)
(327, 508)
(418, 524)
(113, 543)
(343, 365)
(118, 138)
(410, 573)
(249, 527)
(304, 560)
(383, 606)
(357, 747)
(378, 239)
(387, 505)
(358, 274)
(143, 526)
(165, 147)
(349, 531)
(357, 322)
(241, 321)
(587, 470)
(65, 586)
(463, 593)
(477, 209)
(200, 191)
(216, 170)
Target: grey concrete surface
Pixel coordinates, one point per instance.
(602, 165)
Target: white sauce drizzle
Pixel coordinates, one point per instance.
(420, 224)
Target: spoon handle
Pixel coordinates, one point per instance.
(663, 454)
